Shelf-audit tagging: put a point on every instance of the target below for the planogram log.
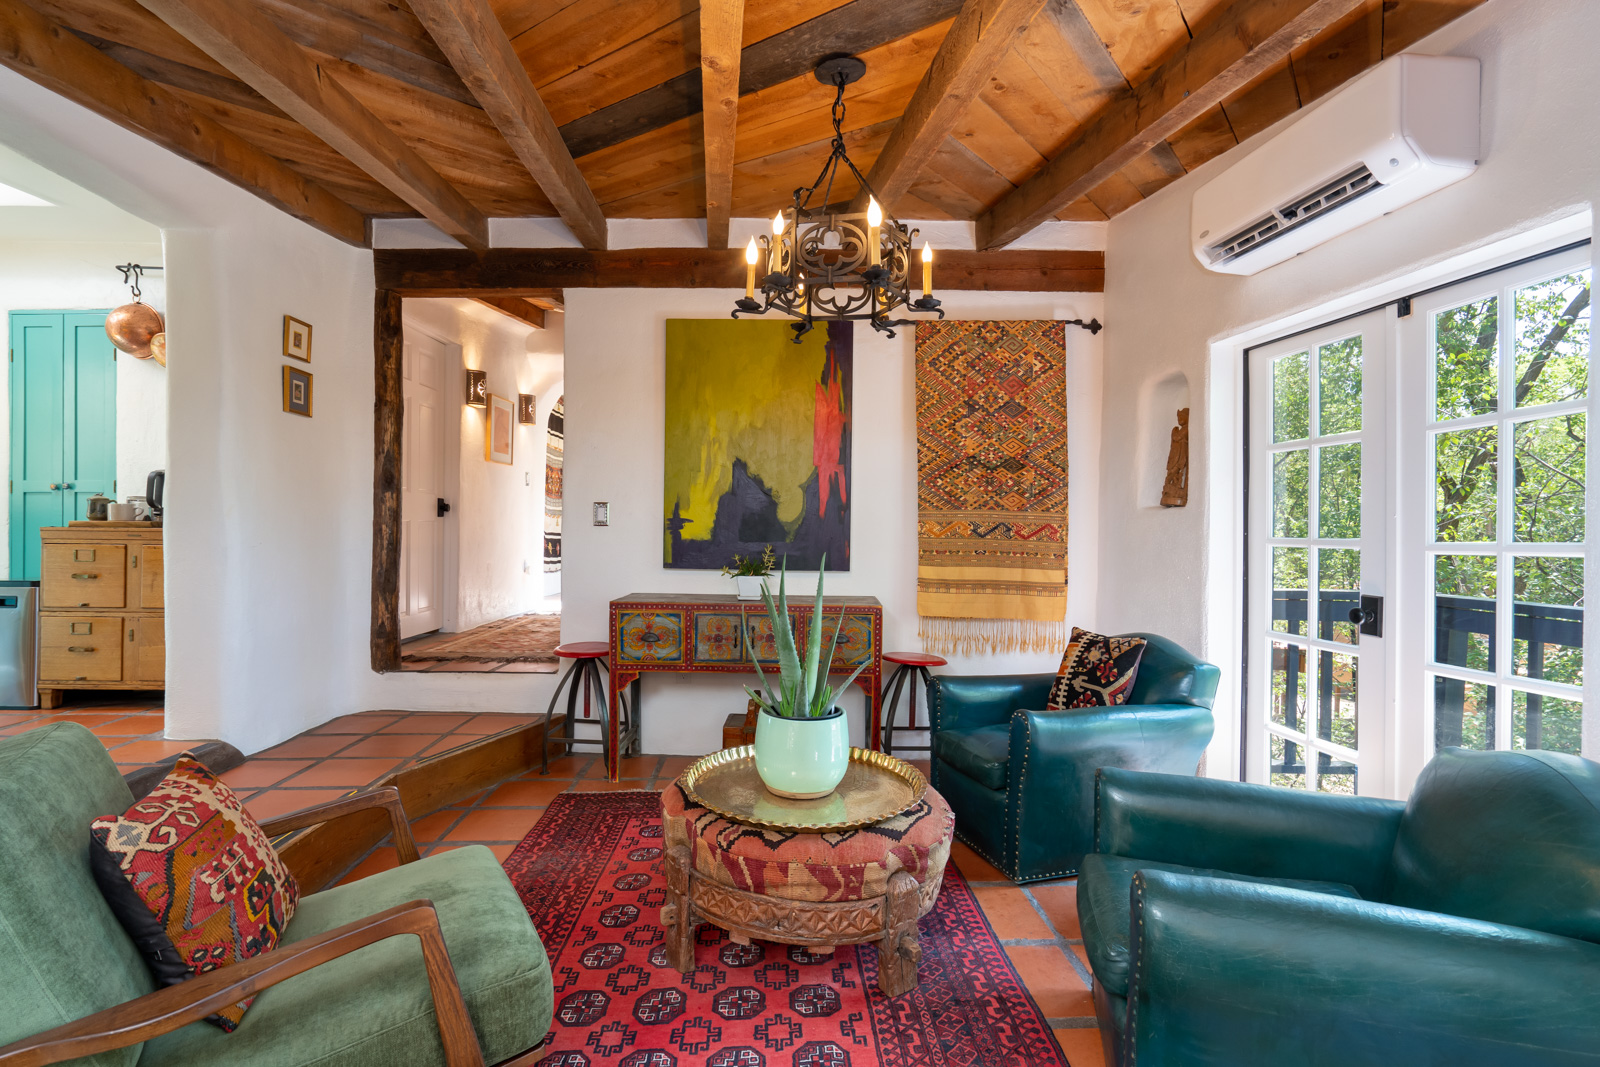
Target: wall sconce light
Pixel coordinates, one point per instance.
(527, 409)
(478, 388)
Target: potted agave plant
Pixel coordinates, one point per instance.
(802, 741)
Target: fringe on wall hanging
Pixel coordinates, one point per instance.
(991, 486)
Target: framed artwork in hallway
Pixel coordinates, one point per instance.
(498, 430)
(296, 391)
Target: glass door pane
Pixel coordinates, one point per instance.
(1316, 482)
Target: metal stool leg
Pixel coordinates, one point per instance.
(593, 676)
(549, 713)
(888, 704)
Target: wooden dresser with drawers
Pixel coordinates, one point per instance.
(101, 609)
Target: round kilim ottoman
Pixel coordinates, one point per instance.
(817, 890)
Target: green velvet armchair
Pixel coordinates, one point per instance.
(1020, 779)
(1236, 924)
(432, 963)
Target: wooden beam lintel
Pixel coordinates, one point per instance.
(518, 271)
(515, 307)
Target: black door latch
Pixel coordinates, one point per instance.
(443, 507)
(1369, 616)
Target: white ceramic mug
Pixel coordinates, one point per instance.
(119, 512)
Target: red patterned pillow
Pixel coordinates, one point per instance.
(193, 879)
(1097, 671)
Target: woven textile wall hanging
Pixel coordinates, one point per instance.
(991, 486)
(554, 456)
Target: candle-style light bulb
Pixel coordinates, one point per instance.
(874, 220)
(927, 269)
(750, 256)
(777, 224)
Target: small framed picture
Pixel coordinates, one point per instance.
(498, 430)
(296, 338)
(297, 391)
(527, 409)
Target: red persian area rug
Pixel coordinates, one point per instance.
(590, 873)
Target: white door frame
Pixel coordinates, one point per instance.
(450, 429)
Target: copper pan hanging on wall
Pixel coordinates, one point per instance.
(131, 327)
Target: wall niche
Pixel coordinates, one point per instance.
(1158, 414)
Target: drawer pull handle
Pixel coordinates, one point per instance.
(86, 577)
(80, 648)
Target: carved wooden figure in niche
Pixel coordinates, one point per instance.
(1175, 490)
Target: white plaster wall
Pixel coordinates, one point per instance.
(1174, 570)
(499, 509)
(615, 450)
(42, 275)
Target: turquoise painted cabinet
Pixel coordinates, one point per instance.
(63, 424)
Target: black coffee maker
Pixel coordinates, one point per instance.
(153, 488)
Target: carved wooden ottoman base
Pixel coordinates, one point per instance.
(890, 922)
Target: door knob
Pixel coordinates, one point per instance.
(1369, 616)
(443, 506)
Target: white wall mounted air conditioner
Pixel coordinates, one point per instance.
(1405, 129)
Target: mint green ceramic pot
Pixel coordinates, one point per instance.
(802, 758)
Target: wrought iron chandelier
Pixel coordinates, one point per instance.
(827, 263)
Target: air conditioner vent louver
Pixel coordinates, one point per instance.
(1296, 213)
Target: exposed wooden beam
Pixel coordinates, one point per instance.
(57, 59)
(516, 307)
(471, 37)
(721, 33)
(388, 416)
(524, 271)
(983, 33)
(247, 43)
(549, 299)
(1230, 52)
(854, 28)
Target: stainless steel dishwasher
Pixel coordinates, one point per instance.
(19, 644)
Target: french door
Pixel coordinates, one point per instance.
(1432, 455)
(1497, 505)
(1318, 499)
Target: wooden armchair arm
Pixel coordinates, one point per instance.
(386, 797)
(178, 1005)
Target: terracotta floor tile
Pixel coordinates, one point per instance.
(561, 767)
(380, 859)
(418, 664)
(270, 803)
(1052, 981)
(526, 668)
(445, 744)
(494, 824)
(1082, 1046)
(132, 726)
(434, 849)
(502, 851)
(1060, 902)
(463, 666)
(523, 793)
(20, 728)
(672, 766)
(636, 767)
(390, 745)
(973, 867)
(149, 751)
(83, 718)
(433, 827)
(425, 723)
(258, 773)
(308, 746)
(362, 723)
(1010, 913)
(590, 785)
(495, 723)
(350, 773)
(12, 718)
(1083, 956)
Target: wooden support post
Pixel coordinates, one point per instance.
(677, 916)
(388, 411)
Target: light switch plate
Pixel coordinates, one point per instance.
(602, 513)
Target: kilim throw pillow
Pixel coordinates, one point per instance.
(193, 879)
(1097, 671)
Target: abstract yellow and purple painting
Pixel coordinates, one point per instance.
(758, 443)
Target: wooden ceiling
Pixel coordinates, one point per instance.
(1009, 112)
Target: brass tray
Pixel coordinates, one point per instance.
(876, 786)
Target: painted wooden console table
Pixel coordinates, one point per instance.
(652, 632)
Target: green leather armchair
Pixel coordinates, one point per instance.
(1021, 781)
(1236, 924)
(347, 986)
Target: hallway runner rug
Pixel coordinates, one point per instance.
(518, 639)
(590, 875)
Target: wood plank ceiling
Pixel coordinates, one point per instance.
(1031, 109)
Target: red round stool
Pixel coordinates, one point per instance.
(917, 662)
(588, 666)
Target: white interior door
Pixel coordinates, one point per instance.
(1316, 714)
(422, 486)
